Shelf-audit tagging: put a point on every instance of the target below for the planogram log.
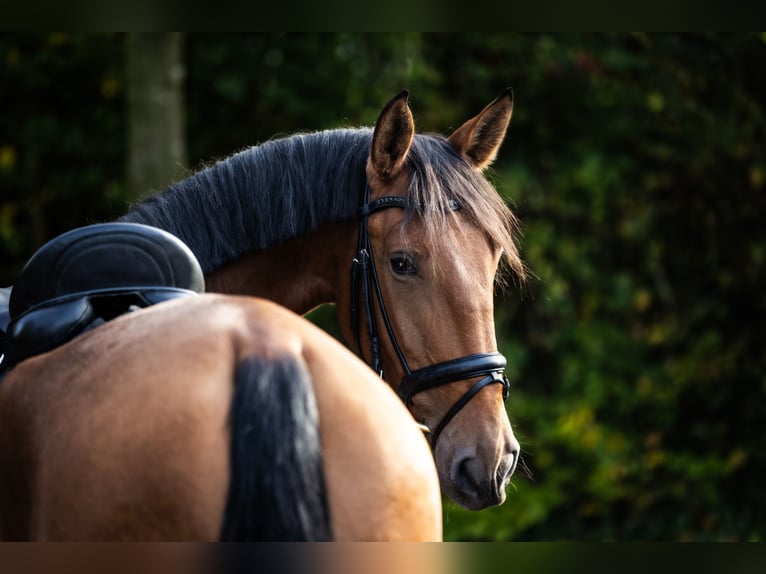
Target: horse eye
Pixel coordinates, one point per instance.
(403, 265)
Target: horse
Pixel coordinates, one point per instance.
(405, 234)
(209, 417)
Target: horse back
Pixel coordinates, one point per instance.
(124, 433)
(120, 434)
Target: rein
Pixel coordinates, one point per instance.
(365, 286)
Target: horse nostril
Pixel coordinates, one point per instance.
(464, 476)
(513, 451)
(515, 455)
(504, 479)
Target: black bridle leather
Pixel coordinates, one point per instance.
(365, 285)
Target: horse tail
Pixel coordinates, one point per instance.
(277, 487)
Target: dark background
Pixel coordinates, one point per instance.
(637, 164)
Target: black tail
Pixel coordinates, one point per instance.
(277, 488)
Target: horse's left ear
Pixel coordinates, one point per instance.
(479, 139)
(392, 138)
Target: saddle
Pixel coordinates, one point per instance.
(88, 276)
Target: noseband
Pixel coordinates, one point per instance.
(366, 286)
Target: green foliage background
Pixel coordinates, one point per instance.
(637, 164)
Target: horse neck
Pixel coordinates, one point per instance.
(298, 274)
(272, 213)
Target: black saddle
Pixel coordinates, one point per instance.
(88, 276)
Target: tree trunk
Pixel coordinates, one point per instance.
(156, 144)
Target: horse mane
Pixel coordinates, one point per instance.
(263, 195)
(287, 187)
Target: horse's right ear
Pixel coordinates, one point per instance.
(392, 138)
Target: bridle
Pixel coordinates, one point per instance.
(364, 282)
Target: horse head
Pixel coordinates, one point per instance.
(432, 236)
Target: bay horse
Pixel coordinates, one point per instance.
(400, 230)
(209, 417)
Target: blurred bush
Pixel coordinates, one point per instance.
(636, 163)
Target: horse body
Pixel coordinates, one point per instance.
(280, 221)
(136, 447)
(141, 428)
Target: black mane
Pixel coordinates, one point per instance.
(263, 195)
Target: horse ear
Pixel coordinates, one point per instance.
(479, 139)
(392, 137)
